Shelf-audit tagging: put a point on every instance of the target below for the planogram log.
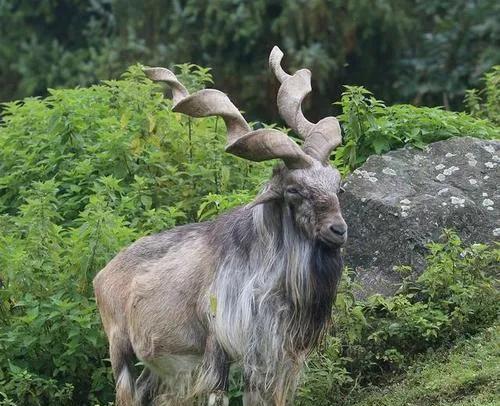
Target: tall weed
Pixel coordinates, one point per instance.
(485, 103)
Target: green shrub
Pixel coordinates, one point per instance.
(86, 171)
(370, 127)
(123, 138)
(455, 296)
(52, 349)
(83, 173)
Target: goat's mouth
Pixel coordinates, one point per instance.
(332, 239)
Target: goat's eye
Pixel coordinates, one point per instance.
(292, 190)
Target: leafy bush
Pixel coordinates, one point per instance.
(52, 349)
(122, 140)
(86, 171)
(455, 296)
(370, 127)
(468, 374)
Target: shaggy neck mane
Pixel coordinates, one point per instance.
(309, 272)
(274, 291)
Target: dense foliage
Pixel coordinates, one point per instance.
(425, 51)
(455, 296)
(465, 375)
(84, 172)
(370, 127)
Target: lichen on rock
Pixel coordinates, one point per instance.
(454, 184)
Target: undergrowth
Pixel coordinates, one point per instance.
(370, 127)
(371, 340)
(468, 374)
(86, 171)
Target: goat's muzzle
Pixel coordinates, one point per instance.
(334, 233)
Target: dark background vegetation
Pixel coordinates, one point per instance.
(425, 52)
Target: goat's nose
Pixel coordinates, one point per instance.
(339, 229)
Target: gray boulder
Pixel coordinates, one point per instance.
(398, 202)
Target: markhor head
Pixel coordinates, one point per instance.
(306, 184)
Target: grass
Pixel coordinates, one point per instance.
(466, 375)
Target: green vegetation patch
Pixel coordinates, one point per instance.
(378, 338)
(370, 127)
(86, 171)
(468, 374)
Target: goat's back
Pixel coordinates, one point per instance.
(153, 291)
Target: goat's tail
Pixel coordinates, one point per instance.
(125, 390)
(122, 361)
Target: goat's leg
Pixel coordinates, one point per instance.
(279, 400)
(214, 373)
(146, 387)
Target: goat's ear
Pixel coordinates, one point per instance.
(266, 196)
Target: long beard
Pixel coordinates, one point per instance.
(274, 303)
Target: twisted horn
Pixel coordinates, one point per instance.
(258, 145)
(320, 139)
